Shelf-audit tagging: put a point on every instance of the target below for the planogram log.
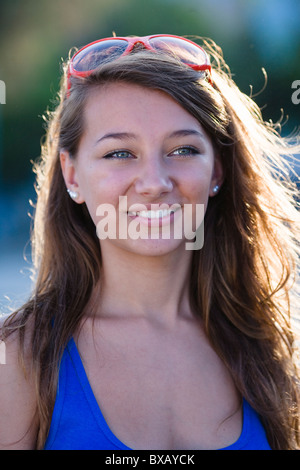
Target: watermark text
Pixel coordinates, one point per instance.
(296, 93)
(160, 221)
(2, 92)
(2, 352)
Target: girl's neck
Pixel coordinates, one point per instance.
(153, 287)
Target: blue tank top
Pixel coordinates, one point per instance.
(78, 424)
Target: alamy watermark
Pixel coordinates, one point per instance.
(2, 352)
(2, 92)
(160, 221)
(296, 93)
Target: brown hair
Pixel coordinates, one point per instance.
(242, 277)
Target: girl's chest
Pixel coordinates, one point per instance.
(163, 394)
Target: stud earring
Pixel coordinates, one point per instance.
(72, 194)
(216, 189)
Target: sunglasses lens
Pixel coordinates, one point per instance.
(98, 53)
(186, 51)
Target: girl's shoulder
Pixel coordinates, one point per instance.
(18, 424)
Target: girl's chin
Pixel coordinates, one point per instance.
(147, 247)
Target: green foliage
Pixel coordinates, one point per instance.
(142, 18)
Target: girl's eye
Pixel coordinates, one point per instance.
(118, 155)
(125, 155)
(185, 151)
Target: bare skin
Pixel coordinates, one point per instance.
(18, 423)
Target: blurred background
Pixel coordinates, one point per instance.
(35, 35)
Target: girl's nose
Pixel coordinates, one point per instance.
(153, 180)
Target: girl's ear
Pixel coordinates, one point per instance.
(68, 168)
(217, 176)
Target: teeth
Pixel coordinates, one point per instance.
(152, 214)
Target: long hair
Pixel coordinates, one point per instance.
(243, 277)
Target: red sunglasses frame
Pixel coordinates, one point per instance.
(132, 42)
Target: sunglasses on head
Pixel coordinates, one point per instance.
(89, 57)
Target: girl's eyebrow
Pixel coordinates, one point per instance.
(117, 135)
(186, 132)
(130, 135)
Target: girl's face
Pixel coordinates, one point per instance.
(141, 152)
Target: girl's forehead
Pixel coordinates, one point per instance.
(127, 105)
